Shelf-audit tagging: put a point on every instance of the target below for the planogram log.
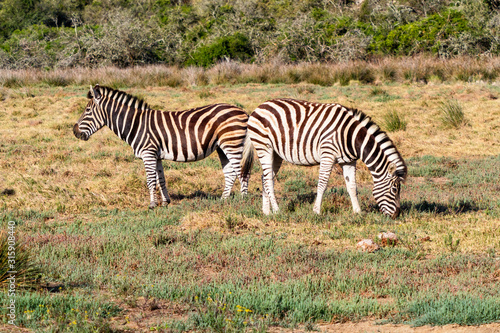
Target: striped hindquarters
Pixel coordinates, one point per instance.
(295, 129)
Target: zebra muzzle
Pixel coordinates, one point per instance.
(79, 134)
(396, 213)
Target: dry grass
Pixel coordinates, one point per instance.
(50, 169)
(87, 201)
(422, 69)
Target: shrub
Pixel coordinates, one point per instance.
(427, 35)
(452, 114)
(235, 47)
(121, 41)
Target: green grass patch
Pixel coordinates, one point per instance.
(452, 309)
(61, 312)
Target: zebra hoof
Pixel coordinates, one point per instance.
(152, 205)
(165, 203)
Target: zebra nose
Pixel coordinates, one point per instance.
(396, 213)
(78, 133)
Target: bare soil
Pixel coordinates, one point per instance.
(360, 327)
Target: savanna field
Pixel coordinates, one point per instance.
(97, 259)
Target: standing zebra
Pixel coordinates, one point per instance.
(305, 133)
(182, 136)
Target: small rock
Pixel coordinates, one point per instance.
(388, 238)
(367, 245)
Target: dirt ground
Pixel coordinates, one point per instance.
(360, 327)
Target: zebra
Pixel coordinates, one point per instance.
(181, 136)
(306, 133)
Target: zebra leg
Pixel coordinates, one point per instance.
(268, 175)
(149, 160)
(229, 173)
(235, 162)
(349, 170)
(266, 202)
(325, 168)
(165, 198)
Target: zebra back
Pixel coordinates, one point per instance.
(187, 135)
(300, 131)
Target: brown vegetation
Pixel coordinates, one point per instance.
(421, 69)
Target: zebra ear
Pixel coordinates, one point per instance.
(94, 93)
(392, 169)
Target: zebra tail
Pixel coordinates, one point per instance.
(247, 158)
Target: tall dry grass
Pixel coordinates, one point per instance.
(403, 70)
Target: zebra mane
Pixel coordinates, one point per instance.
(368, 123)
(379, 136)
(125, 98)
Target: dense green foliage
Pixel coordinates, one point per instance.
(232, 47)
(434, 34)
(47, 34)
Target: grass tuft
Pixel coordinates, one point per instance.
(451, 244)
(27, 273)
(452, 114)
(394, 122)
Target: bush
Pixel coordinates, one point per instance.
(53, 34)
(235, 47)
(36, 46)
(430, 34)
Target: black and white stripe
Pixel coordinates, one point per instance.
(182, 136)
(306, 133)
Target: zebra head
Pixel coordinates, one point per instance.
(386, 191)
(92, 118)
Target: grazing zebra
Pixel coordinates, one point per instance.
(305, 133)
(182, 136)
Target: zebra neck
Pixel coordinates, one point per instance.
(377, 164)
(378, 153)
(118, 119)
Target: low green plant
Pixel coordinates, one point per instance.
(377, 91)
(448, 308)
(452, 114)
(205, 93)
(394, 122)
(306, 89)
(16, 257)
(61, 312)
(451, 244)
